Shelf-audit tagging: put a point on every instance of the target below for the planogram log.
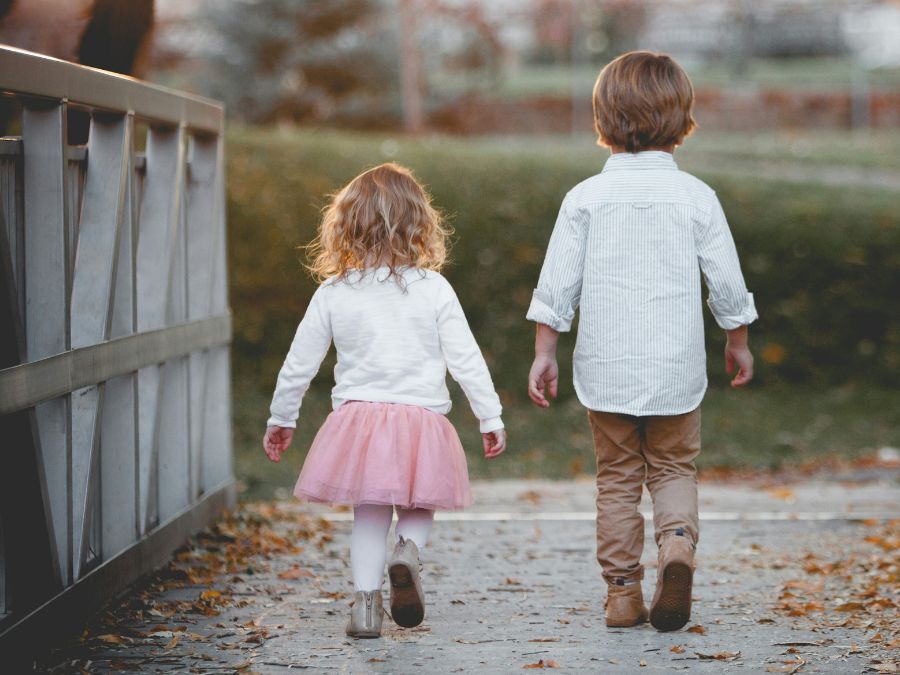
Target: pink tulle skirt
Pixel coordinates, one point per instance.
(386, 453)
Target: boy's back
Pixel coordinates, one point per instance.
(632, 235)
(628, 249)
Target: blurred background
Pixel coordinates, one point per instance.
(488, 101)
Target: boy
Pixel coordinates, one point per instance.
(628, 249)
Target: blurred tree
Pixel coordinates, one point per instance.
(293, 60)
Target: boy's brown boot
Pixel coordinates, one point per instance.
(671, 606)
(624, 604)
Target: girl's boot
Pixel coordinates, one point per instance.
(365, 615)
(407, 599)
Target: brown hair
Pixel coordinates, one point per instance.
(381, 217)
(643, 100)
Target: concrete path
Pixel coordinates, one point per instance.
(795, 577)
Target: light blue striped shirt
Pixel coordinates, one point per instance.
(628, 249)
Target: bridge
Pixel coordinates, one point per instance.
(115, 420)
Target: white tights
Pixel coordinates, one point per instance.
(368, 546)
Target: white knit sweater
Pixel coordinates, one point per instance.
(395, 343)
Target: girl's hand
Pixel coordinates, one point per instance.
(494, 443)
(276, 441)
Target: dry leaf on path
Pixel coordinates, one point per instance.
(112, 639)
(720, 656)
(698, 629)
(549, 663)
(532, 496)
(677, 649)
(783, 493)
(295, 572)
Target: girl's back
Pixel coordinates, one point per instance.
(387, 335)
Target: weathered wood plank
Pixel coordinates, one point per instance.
(118, 418)
(40, 75)
(160, 211)
(102, 212)
(46, 310)
(217, 457)
(202, 228)
(173, 445)
(29, 384)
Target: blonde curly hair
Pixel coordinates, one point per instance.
(383, 217)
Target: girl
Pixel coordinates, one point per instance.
(397, 326)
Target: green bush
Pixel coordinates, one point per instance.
(823, 263)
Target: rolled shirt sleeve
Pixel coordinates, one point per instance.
(729, 301)
(308, 349)
(559, 287)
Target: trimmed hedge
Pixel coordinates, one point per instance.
(823, 263)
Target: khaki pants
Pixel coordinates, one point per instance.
(630, 450)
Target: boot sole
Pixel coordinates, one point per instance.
(407, 607)
(626, 624)
(364, 636)
(672, 609)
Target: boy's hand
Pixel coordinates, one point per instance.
(544, 375)
(738, 353)
(494, 443)
(276, 441)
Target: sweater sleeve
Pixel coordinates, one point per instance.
(729, 301)
(465, 362)
(311, 343)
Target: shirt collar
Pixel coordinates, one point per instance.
(647, 159)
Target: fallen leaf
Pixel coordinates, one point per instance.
(295, 572)
(171, 644)
(720, 656)
(850, 607)
(549, 663)
(530, 496)
(802, 643)
(677, 649)
(112, 639)
(782, 493)
(698, 629)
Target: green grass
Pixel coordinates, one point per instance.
(822, 262)
(757, 428)
(821, 74)
(707, 151)
(872, 149)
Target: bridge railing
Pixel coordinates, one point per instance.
(115, 438)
